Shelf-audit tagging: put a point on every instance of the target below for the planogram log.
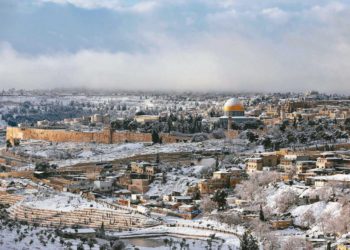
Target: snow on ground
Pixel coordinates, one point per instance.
(273, 193)
(207, 162)
(175, 182)
(336, 177)
(183, 232)
(193, 170)
(318, 210)
(289, 232)
(9, 239)
(16, 181)
(196, 170)
(21, 185)
(69, 153)
(26, 167)
(61, 201)
(3, 124)
(207, 222)
(158, 243)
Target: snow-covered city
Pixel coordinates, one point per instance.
(206, 172)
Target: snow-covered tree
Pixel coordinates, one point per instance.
(286, 200)
(207, 205)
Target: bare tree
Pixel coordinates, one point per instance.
(323, 220)
(339, 223)
(272, 242)
(206, 172)
(325, 193)
(246, 190)
(267, 178)
(207, 205)
(260, 228)
(230, 218)
(291, 172)
(252, 189)
(294, 243)
(286, 200)
(308, 218)
(268, 212)
(267, 237)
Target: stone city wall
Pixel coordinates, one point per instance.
(16, 174)
(105, 136)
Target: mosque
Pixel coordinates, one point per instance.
(234, 108)
(234, 112)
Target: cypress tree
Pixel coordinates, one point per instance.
(261, 214)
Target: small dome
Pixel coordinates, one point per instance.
(233, 104)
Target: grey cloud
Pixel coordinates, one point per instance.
(116, 5)
(234, 53)
(224, 62)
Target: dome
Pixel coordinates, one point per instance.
(233, 104)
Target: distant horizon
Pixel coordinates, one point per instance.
(110, 91)
(169, 91)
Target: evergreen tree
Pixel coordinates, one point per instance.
(157, 158)
(251, 136)
(170, 124)
(261, 214)
(102, 229)
(220, 198)
(196, 195)
(155, 136)
(217, 163)
(295, 122)
(164, 179)
(248, 242)
(42, 166)
(347, 124)
(283, 127)
(8, 144)
(118, 245)
(16, 142)
(267, 143)
(91, 243)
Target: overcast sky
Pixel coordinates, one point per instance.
(236, 45)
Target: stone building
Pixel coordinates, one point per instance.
(254, 164)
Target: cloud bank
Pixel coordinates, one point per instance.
(220, 63)
(116, 5)
(227, 45)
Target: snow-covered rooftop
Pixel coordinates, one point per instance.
(337, 177)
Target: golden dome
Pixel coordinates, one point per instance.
(233, 104)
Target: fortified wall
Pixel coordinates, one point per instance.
(106, 136)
